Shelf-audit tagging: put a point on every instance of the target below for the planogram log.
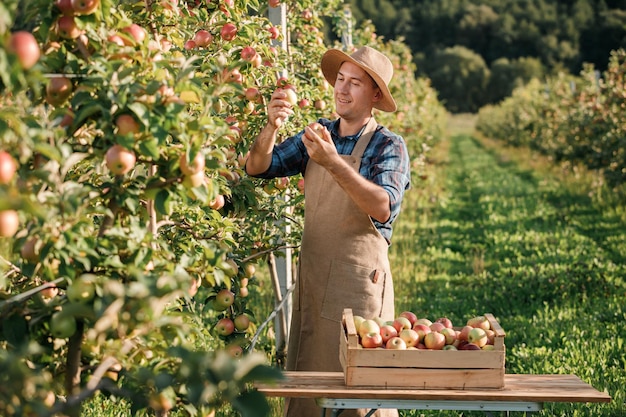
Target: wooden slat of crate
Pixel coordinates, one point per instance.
(427, 369)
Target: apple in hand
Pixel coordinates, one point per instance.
(387, 331)
(434, 340)
(119, 160)
(292, 98)
(8, 167)
(25, 46)
(396, 343)
(371, 340)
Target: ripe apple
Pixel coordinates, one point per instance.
(401, 323)
(274, 32)
(368, 326)
(30, 249)
(224, 299)
(120, 160)
(274, 3)
(9, 223)
(450, 335)
(228, 32)
(387, 331)
(248, 53)
(234, 350)
(218, 202)
(64, 6)
(137, 33)
(242, 322)
(190, 44)
(357, 321)
(424, 321)
(67, 27)
(464, 332)
(307, 14)
(203, 38)
(126, 124)
(194, 166)
(85, 7)
(225, 326)
(421, 329)
(244, 292)
(8, 166)
(194, 180)
(82, 289)
(371, 340)
(477, 336)
(62, 325)
(445, 321)
(292, 98)
(437, 327)
(58, 90)
(319, 104)
(434, 340)
(410, 337)
(252, 94)
(301, 185)
(491, 335)
(25, 46)
(302, 103)
(396, 343)
(409, 315)
(479, 321)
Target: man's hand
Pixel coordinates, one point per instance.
(279, 108)
(319, 144)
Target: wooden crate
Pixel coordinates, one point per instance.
(421, 369)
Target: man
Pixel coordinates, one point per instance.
(356, 173)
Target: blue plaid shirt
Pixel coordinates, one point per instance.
(385, 162)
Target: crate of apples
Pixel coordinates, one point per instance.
(418, 352)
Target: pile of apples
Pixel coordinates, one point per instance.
(407, 331)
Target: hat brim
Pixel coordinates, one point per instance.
(331, 62)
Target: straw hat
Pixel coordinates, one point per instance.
(377, 65)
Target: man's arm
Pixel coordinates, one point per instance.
(369, 197)
(260, 157)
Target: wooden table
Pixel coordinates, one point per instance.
(524, 393)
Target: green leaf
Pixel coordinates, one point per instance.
(15, 329)
(251, 404)
(150, 147)
(163, 202)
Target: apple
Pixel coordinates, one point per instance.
(424, 321)
(301, 185)
(244, 292)
(232, 76)
(116, 39)
(464, 332)
(445, 321)
(479, 321)
(303, 103)
(225, 326)
(65, 7)
(203, 38)
(437, 327)
(396, 343)
(469, 346)
(387, 331)
(252, 94)
(82, 289)
(58, 90)
(62, 325)
(224, 299)
(234, 350)
(371, 340)
(368, 326)
(319, 104)
(477, 336)
(449, 347)
(488, 347)
(126, 124)
(491, 335)
(9, 223)
(24, 45)
(228, 32)
(137, 33)
(274, 3)
(434, 340)
(119, 160)
(409, 315)
(357, 321)
(85, 7)
(67, 27)
(194, 180)
(307, 14)
(194, 166)
(401, 323)
(292, 98)
(421, 329)
(8, 166)
(274, 32)
(248, 53)
(410, 337)
(190, 44)
(242, 322)
(218, 202)
(449, 334)
(30, 249)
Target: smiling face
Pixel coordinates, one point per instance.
(355, 93)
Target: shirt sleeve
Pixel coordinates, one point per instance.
(288, 158)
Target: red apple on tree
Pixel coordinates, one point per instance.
(126, 124)
(8, 167)
(228, 32)
(24, 45)
(58, 90)
(274, 32)
(120, 160)
(242, 322)
(274, 3)
(137, 33)
(9, 223)
(194, 166)
(218, 202)
(248, 53)
(194, 180)
(65, 6)
(67, 27)
(203, 38)
(225, 326)
(224, 299)
(85, 7)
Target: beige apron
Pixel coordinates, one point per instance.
(343, 264)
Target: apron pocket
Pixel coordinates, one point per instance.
(352, 286)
